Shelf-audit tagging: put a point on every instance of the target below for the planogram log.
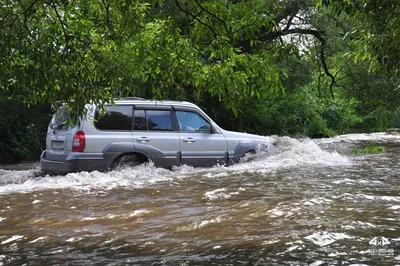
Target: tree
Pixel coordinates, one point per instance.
(88, 50)
(376, 33)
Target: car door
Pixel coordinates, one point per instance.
(154, 135)
(59, 136)
(200, 146)
(114, 127)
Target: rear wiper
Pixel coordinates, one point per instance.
(58, 127)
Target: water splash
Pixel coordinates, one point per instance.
(377, 137)
(287, 152)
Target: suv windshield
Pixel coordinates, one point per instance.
(60, 117)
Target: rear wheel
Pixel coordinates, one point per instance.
(128, 160)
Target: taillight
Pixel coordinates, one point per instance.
(79, 142)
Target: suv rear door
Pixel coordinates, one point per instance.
(114, 126)
(59, 136)
(154, 134)
(200, 146)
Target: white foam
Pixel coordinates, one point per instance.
(287, 152)
(337, 254)
(376, 198)
(217, 194)
(73, 239)
(316, 201)
(317, 263)
(288, 250)
(88, 219)
(364, 224)
(290, 152)
(84, 181)
(15, 177)
(198, 225)
(12, 239)
(381, 136)
(37, 239)
(138, 212)
(284, 211)
(325, 238)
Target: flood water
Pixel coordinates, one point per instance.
(306, 202)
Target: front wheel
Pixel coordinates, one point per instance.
(248, 156)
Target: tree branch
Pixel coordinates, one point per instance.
(247, 26)
(63, 27)
(196, 18)
(108, 20)
(289, 23)
(270, 36)
(214, 16)
(30, 6)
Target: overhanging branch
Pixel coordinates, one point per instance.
(196, 18)
(270, 36)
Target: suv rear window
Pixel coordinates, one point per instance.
(60, 117)
(158, 120)
(114, 118)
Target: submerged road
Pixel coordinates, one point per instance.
(307, 202)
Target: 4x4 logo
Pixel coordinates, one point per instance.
(379, 241)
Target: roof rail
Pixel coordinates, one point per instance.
(133, 98)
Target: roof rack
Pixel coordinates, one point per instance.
(133, 98)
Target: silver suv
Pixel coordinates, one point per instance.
(136, 131)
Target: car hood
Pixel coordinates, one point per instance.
(247, 137)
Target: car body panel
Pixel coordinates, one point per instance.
(164, 148)
(160, 147)
(203, 149)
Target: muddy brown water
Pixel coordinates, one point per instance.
(303, 203)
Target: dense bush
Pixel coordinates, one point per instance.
(297, 113)
(300, 113)
(22, 131)
(396, 118)
(339, 114)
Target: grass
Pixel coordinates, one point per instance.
(370, 148)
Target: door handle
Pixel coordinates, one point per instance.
(143, 139)
(189, 140)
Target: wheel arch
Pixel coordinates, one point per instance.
(243, 148)
(140, 157)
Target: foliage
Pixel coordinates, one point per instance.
(22, 131)
(379, 119)
(340, 114)
(304, 67)
(299, 113)
(370, 148)
(396, 118)
(318, 128)
(87, 50)
(376, 34)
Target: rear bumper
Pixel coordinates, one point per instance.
(75, 162)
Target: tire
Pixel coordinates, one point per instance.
(128, 160)
(248, 156)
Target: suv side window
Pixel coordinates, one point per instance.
(154, 120)
(115, 118)
(140, 121)
(192, 122)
